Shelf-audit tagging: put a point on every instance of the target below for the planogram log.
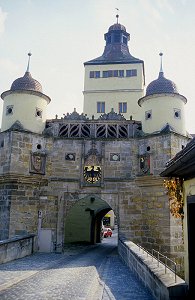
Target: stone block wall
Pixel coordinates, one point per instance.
(16, 247)
(5, 205)
(162, 283)
(5, 152)
(139, 200)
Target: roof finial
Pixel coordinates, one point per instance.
(161, 68)
(28, 66)
(117, 16)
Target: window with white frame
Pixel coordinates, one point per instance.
(131, 73)
(94, 74)
(122, 107)
(100, 107)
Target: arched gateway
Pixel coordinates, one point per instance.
(84, 220)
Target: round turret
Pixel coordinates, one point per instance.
(163, 106)
(25, 104)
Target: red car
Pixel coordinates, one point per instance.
(107, 232)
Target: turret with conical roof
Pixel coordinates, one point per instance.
(161, 84)
(116, 49)
(25, 104)
(115, 79)
(163, 106)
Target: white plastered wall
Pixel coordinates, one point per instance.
(113, 90)
(162, 109)
(24, 111)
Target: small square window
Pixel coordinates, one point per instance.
(9, 110)
(148, 115)
(115, 73)
(38, 113)
(70, 156)
(105, 74)
(177, 113)
(114, 157)
(91, 74)
(122, 107)
(97, 74)
(121, 73)
(110, 73)
(100, 107)
(131, 73)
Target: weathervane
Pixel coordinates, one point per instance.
(117, 16)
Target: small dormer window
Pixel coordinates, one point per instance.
(9, 110)
(177, 113)
(38, 113)
(148, 115)
(109, 39)
(125, 40)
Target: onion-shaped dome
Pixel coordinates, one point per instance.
(161, 86)
(117, 26)
(26, 83)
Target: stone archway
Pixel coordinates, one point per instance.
(83, 221)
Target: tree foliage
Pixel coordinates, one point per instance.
(174, 188)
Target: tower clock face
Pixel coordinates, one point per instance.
(92, 174)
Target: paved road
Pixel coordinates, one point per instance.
(81, 273)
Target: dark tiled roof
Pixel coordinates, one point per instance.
(167, 128)
(183, 163)
(114, 54)
(26, 83)
(117, 26)
(161, 86)
(115, 51)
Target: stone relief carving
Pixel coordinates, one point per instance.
(37, 163)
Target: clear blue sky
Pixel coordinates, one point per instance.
(63, 34)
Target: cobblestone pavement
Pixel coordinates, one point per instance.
(81, 273)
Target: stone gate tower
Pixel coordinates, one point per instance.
(60, 176)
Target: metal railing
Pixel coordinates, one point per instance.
(159, 257)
